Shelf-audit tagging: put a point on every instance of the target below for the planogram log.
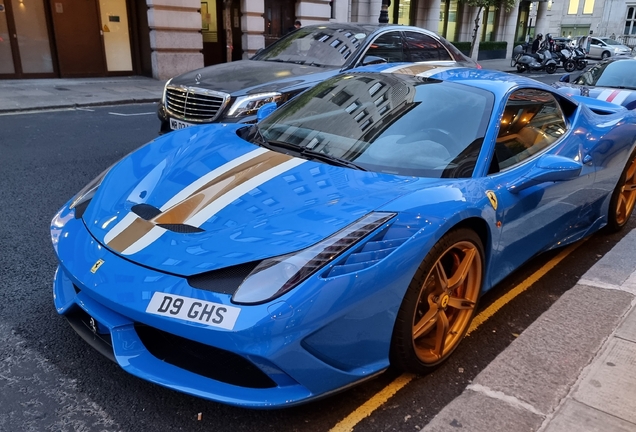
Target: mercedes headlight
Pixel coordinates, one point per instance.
(248, 105)
(274, 277)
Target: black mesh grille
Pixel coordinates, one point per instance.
(201, 359)
(145, 211)
(225, 280)
(181, 228)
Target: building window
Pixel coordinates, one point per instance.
(573, 7)
(448, 13)
(489, 25)
(630, 24)
(588, 7)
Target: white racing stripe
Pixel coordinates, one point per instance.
(231, 196)
(196, 185)
(618, 100)
(120, 226)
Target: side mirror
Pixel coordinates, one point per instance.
(565, 78)
(550, 168)
(265, 110)
(371, 60)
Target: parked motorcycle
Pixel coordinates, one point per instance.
(565, 58)
(579, 58)
(541, 60)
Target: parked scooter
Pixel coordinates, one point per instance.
(579, 58)
(541, 60)
(565, 57)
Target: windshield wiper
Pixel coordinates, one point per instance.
(332, 160)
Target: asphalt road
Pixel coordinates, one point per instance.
(51, 380)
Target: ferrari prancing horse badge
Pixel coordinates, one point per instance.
(493, 198)
(97, 265)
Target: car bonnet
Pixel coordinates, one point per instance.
(202, 199)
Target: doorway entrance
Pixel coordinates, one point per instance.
(279, 19)
(25, 46)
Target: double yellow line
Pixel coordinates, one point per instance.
(348, 423)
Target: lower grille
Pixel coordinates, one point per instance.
(201, 359)
(195, 104)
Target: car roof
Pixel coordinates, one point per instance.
(370, 28)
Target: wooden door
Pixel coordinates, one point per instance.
(279, 19)
(80, 48)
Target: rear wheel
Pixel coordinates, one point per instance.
(551, 68)
(580, 64)
(439, 303)
(624, 197)
(569, 65)
(521, 68)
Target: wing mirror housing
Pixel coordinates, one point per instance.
(265, 110)
(565, 78)
(550, 168)
(372, 60)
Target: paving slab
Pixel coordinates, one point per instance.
(616, 266)
(610, 380)
(575, 416)
(627, 329)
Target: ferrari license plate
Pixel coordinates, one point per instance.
(178, 124)
(193, 310)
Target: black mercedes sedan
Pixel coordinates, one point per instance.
(233, 92)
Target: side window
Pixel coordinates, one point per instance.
(422, 47)
(531, 122)
(389, 46)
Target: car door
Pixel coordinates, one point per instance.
(596, 48)
(532, 131)
(388, 46)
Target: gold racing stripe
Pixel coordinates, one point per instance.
(222, 184)
(137, 229)
(199, 199)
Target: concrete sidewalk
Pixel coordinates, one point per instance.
(39, 94)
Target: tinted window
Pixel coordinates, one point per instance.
(390, 123)
(532, 121)
(424, 48)
(388, 46)
(314, 46)
(619, 74)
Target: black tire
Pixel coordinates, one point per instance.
(569, 66)
(605, 55)
(521, 68)
(581, 64)
(420, 344)
(551, 68)
(624, 197)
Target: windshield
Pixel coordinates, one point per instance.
(611, 41)
(617, 74)
(389, 123)
(317, 46)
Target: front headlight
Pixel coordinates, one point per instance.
(248, 105)
(88, 191)
(165, 88)
(274, 277)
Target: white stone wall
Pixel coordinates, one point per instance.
(313, 12)
(175, 38)
(253, 26)
(365, 11)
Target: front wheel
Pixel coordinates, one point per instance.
(581, 64)
(551, 68)
(521, 68)
(439, 303)
(623, 197)
(569, 66)
(605, 55)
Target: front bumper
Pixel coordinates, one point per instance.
(165, 117)
(307, 344)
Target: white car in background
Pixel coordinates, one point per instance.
(605, 47)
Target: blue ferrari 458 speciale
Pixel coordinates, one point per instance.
(356, 226)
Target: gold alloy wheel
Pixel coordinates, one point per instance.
(627, 195)
(447, 301)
